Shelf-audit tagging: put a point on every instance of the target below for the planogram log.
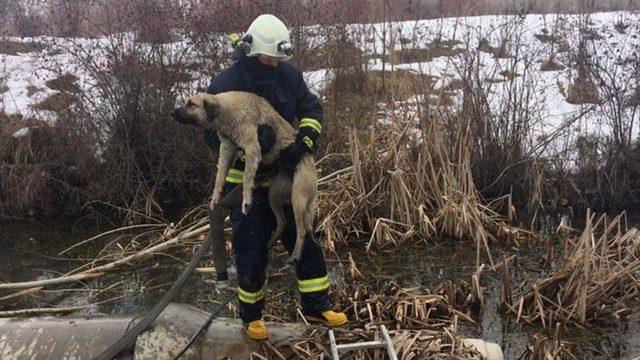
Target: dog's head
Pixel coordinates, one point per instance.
(199, 110)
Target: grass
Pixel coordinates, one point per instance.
(499, 52)
(330, 56)
(595, 282)
(9, 47)
(546, 38)
(434, 49)
(583, 91)
(397, 85)
(551, 65)
(492, 80)
(32, 89)
(57, 102)
(509, 74)
(634, 100)
(64, 83)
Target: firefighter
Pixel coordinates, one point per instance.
(260, 66)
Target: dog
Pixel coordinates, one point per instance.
(236, 116)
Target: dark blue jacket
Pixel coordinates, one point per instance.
(283, 87)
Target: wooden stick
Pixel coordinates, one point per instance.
(110, 232)
(65, 309)
(100, 270)
(21, 293)
(31, 285)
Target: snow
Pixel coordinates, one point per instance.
(20, 133)
(554, 114)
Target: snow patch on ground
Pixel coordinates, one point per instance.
(20, 133)
(25, 75)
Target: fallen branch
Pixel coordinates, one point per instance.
(21, 293)
(66, 309)
(31, 285)
(109, 233)
(100, 270)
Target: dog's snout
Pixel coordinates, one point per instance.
(175, 114)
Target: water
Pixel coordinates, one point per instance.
(431, 266)
(29, 251)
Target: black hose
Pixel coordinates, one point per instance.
(206, 325)
(130, 335)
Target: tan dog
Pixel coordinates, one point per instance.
(236, 116)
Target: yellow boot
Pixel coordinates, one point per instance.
(329, 318)
(257, 330)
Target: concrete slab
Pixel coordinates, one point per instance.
(84, 338)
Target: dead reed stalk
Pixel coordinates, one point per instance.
(408, 184)
(422, 324)
(597, 279)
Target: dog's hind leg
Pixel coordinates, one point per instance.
(228, 152)
(279, 195)
(301, 231)
(309, 217)
(309, 185)
(281, 221)
(252, 160)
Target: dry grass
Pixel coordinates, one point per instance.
(422, 324)
(499, 52)
(9, 47)
(331, 55)
(583, 91)
(543, 348)
(551, 65)
(64, 83)
(395, 85)
(634, 99)
(546, 38)
(32, 89)
(57, 102)
(407, 184)
(437, 48)
(597, 280)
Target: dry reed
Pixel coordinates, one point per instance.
(596, 281)
(408, 184)
(422, 324)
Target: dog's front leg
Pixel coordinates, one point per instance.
(252, 160)
(226, 155)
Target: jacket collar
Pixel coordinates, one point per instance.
(259, 73)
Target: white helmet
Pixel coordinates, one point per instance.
(269, 36)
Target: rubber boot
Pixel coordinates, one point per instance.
(329, 318)
(257, 330)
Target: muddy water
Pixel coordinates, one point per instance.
(430, 267)
(29, 251)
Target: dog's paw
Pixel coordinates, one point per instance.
(246, 206)
(213, 203)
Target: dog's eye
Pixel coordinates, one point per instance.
(190, 103)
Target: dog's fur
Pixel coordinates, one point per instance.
(236, 116)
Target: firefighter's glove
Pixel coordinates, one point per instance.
(308, 132)
(306, 143)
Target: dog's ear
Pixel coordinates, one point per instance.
(211, 106)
